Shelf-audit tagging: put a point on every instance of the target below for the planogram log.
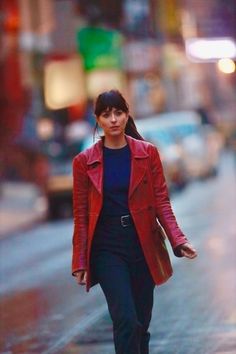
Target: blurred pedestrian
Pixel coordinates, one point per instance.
(120, 199)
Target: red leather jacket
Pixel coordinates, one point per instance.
(148, 202)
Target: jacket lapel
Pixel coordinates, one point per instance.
(95, 166)
(95, 175)
(138, 168)
(137, 174)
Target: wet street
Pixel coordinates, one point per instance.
(44, 311)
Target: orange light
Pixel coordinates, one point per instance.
(64, 84)
(226, 66)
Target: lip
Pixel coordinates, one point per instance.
(115, 127)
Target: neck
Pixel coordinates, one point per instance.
(115, 142)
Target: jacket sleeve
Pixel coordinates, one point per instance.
(80, 213)
(163, 207)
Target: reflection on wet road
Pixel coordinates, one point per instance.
(42, 309)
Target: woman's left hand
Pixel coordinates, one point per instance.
(188, 251)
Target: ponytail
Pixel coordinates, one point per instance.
(131, 129)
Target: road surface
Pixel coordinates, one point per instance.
(44, 311)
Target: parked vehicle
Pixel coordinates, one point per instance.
(201, 145)
(160, 130)
(59, 183)
(59, 190)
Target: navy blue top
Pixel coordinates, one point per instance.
(117, 167)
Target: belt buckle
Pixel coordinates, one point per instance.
(122, 220)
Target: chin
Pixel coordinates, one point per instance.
(115, 133)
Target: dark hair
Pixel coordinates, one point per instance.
(114, 99)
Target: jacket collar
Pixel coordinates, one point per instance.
(138, 170)
(95, 153)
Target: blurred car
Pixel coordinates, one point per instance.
(201, 150)
(189, 149)
(59, 190)
(59, 183)
(161, 131)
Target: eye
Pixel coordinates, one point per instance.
(105, 114)
(119, 112)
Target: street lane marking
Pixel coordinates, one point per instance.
(83, 324)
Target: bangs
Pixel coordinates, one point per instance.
(108, 100)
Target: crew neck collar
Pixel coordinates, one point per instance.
(115, 149)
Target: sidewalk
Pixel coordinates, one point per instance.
(21, 206)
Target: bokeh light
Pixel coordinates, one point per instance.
(226, 65)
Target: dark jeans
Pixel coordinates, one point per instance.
(128, 287)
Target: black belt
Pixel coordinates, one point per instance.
(123, 220)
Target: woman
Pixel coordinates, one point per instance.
(120, 199)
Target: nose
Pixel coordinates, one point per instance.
(113, 117)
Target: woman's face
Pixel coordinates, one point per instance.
(113, 121)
